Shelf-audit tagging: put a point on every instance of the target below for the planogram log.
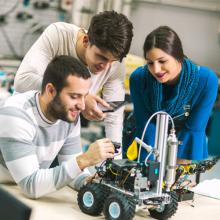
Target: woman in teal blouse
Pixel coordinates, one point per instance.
(171, 82)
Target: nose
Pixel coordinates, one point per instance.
(103, 65)
(156, 68)
(81, 104)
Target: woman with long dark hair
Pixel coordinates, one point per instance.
(173, 83)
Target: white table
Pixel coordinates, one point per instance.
(63, 205)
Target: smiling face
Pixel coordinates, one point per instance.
(98, 60)
(70, 101)
(164, 68)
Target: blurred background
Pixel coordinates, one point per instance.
(196, 21)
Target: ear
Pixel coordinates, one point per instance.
(50, 91)
(85, 40)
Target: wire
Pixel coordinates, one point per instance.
(178, 116)
(103, 162)
(146, 159)
(147, 124)
(123, 181)
(113, 171)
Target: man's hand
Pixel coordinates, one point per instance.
(91, 178)
(98, 151)
(92, 111)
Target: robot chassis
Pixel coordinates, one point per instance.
(124, 184)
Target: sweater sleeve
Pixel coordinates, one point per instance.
(21, 159)
(194, 144)
(113, 90)
(72, 148)
(30, 73)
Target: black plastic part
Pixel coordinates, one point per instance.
(184, 195)
(11, 208)
(152, 171)
(117, 146)
(124, 163)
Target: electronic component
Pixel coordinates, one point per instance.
(113, 106)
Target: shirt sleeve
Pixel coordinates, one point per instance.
(113, 90)
(193, 137)
(21, 159)
(70, 150)
(30, 73)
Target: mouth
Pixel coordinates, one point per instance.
(160, 75)
(98, 68)
(74, 113)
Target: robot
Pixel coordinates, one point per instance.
(124, 184)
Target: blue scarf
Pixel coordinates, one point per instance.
(180, 94)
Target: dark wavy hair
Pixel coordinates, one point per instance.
(166, 39)
(111, 31)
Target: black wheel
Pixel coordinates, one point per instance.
(119, 207)
(91, 198)
(166, 211)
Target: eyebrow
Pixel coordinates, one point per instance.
(78, 94)
(156, 59)
(74, 93)
(105, 58)
(102, 57)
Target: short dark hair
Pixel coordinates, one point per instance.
(111, 31)
(60, 68)
(166, 39)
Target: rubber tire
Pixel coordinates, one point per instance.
(127, 207)
(99, 193)
(169, 209)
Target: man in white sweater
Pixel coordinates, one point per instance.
(37, 126)
(101, 49)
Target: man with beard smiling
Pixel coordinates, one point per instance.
(38, 126)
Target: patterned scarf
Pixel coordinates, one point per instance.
(182, 92)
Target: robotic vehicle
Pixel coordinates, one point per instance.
(124, 184)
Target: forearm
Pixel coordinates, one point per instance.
(114, 121)
(30, 73)
(44, 181)
(114, 125)
(80, 179)
(27, 81)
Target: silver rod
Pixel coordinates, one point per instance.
(161, 146)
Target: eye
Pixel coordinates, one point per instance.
(162, 61)
(102, 58)
(73, 97)
(149, 63)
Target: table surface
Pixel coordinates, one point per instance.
(62, 204)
